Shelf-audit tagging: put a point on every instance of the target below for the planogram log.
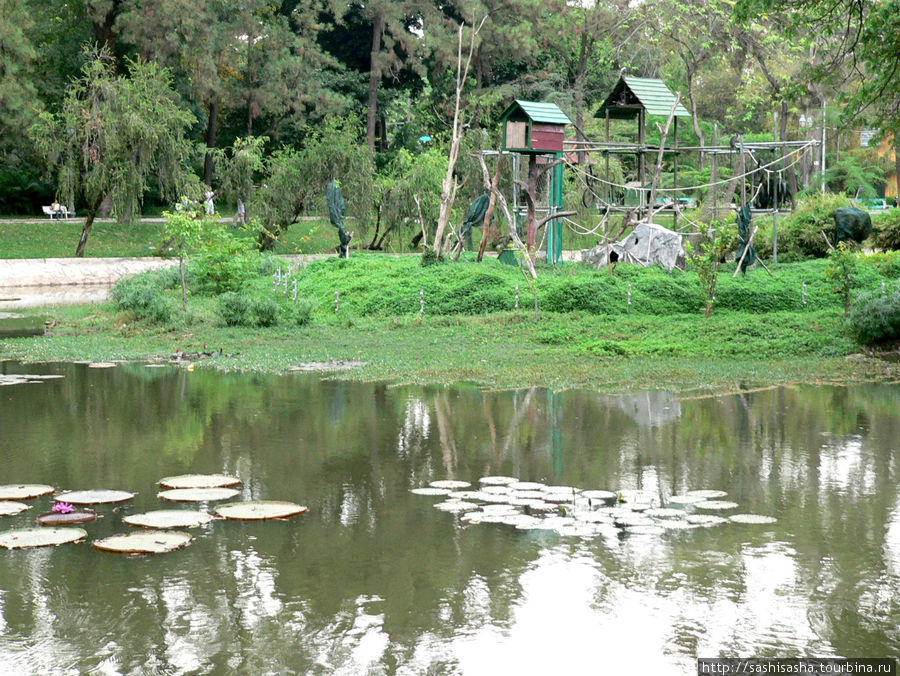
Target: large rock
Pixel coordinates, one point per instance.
(647, 244)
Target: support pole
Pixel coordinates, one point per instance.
(642, 172)
(675, 201)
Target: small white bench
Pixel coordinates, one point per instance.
(62, 213)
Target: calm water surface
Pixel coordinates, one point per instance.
(374, 580)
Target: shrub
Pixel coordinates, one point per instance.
(300, 313)
(886, 230)
(237, 308)
(144, 296)
(234, 309)
(801, 236)
(225, 262)
(887, 264)
(264, 310)
(875, 317)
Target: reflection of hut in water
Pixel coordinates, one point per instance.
(648, 409)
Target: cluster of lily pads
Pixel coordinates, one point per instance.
(156, 534)
(528, 505)
(25, 378)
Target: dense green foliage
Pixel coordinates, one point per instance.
(875, 317)
(886, 230)
(144, 296)
(282, 97)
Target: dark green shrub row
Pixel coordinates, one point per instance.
(875, 317)
(145, 295)
(254, 308)
(886, 230)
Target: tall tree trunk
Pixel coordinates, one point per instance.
(585, 50)
(86, 230)
(791, 171)
(212, 126)
(374, 80)
(104, 32)
(897, 166)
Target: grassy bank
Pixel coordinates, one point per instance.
(58, 238)
(504, 350)
(584, 336)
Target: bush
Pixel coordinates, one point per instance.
(226, 263)
(875, 317)
(300, 313)
(247, 309)
(801, 236)
(234, 309)
(886, 230)
(144, 296)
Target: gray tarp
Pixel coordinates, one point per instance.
(647, 244)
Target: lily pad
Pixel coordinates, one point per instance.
(541, 507)
(66, 518)
(101, 365)
(645, 529)
(144, 542)
(25, 538)
(705, 520)
(197, 494)
(604, 496)
(752, 518)
(665, 513)
(526, 486)
(528, 495)
(559, 498)
(94, 496)
(560, 490)
(430, 490)
(24, 491)
(492, 498)
(716, 505)
(169, 518)
(258, 510)
(10, 508)
(456, 506)
(497, 480)
(452, 484)
(500, 509)
(199, 481)
(708, 494)
(684, 499)
(497, 490)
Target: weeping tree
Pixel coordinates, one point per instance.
(294, 180)
(114, 135)
(239, 166)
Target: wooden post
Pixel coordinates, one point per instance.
(642, 173)
(675, 200)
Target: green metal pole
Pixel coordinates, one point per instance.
(555, 227)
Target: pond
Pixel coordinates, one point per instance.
(374, 579)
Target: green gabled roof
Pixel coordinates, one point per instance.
(538, 112)
(640, 92)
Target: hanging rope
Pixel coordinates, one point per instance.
(575, 168)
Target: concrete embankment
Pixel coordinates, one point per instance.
(34, 282)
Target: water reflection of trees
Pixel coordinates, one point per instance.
(375, 568)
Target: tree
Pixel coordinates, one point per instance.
(294, 181)
(449, 185)
(240, 166)
(863, 38)
(114, 135)
(697, 33)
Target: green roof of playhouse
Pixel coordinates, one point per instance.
(633, 93)
(548, 113)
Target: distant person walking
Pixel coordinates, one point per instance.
(208, 203)
(240, 216)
